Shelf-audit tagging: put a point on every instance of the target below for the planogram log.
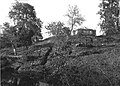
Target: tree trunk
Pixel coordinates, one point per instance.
(14, 49)
(71, 28)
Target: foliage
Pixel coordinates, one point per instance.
(109, 15)
(10, 36)
(25, 21)
(74, 16)
(57, 29)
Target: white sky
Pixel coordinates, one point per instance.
(55, 10)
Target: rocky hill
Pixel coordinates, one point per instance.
(77, 61)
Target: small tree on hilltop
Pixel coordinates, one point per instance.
(75, 18)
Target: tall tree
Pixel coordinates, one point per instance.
(26, 22)
(57, 29)
(75, 18)
(109, 15)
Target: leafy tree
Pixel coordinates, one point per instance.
(109, 15)
(10, 36)
(75, 18)
(57, 29)
(26, 22)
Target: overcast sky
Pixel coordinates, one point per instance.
(55, 10)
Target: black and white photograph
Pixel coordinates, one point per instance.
(59, 42)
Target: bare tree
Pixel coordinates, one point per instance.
(75, 18)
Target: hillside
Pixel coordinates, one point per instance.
(72, 62)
